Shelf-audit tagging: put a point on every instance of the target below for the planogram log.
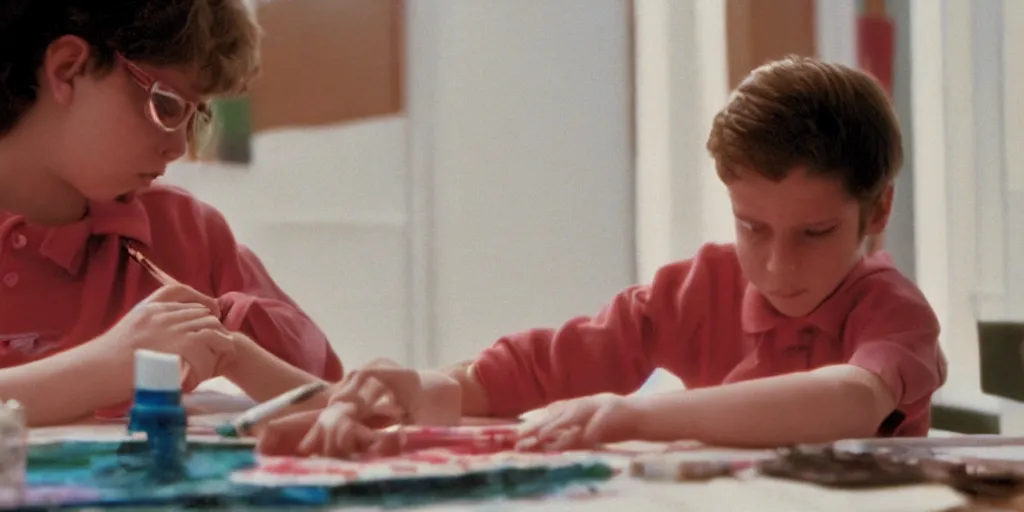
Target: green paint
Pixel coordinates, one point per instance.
(227, 430)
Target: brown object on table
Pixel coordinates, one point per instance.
(894, 466)
(825, 466)
(988, 480)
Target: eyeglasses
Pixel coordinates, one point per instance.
(167, 109)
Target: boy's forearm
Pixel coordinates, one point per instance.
(262, 375)
(833, 403)
(474, 401)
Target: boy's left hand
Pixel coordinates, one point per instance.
(581, 423)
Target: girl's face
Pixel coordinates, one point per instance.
(118, 130)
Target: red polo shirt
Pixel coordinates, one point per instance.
(62, 286)
(701, 320)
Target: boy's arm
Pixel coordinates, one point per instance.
(251, 302)
(896, 363)
(835, 402)
(262, 375)
(474, 402)
(614, 351)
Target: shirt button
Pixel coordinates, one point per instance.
(19, 241)
(11, 280)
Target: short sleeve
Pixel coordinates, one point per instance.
(252, 302)
(895, 334)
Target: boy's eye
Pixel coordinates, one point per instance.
(752, 228)
(818, 233)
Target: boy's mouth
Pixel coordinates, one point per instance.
(787, 294)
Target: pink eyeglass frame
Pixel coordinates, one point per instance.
(150, 84)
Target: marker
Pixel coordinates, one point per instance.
(243, 424)
(693, 466)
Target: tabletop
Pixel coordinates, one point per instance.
(624, 492)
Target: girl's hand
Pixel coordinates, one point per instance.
(580, 424)
(178, 320)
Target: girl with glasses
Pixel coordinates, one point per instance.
(96, 99)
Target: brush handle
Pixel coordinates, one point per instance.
(253, 416)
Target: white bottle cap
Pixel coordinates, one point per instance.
(157, 371)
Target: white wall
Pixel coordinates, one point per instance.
(503, 201)
(326, 211)
(531, 165)
(682, 81)
(1013, 156)
(963, 154)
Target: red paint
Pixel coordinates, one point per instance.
(460, 440)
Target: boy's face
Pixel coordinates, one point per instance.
(106, 144)
(798, 238)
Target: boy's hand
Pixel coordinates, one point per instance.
(378, 395)
(580, 423)
(346, 438)
(373, 397)
(179, 320)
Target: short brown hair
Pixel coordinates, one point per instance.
(218, 37)
(802, 112)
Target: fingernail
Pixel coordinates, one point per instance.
(306, 445)
(527, 443)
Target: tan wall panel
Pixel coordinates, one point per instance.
(328, 61)
(762, 30)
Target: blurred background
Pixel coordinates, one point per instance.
(424, 176)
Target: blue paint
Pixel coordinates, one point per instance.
(160, 415)
(82, 474)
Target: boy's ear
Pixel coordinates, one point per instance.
(879, 216)
(65, 59)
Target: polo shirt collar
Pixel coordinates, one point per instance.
(68, 246)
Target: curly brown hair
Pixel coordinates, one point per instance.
(218, 37)
(801, 112)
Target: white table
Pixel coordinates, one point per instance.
(622, 493)
(625, 493)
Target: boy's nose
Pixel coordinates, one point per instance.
(781, 259)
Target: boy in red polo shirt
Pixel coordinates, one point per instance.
(97, 99)
(793, 334)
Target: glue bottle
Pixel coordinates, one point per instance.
(158, 412)
(13, 453)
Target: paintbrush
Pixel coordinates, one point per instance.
(244, 423)
(163, 277)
